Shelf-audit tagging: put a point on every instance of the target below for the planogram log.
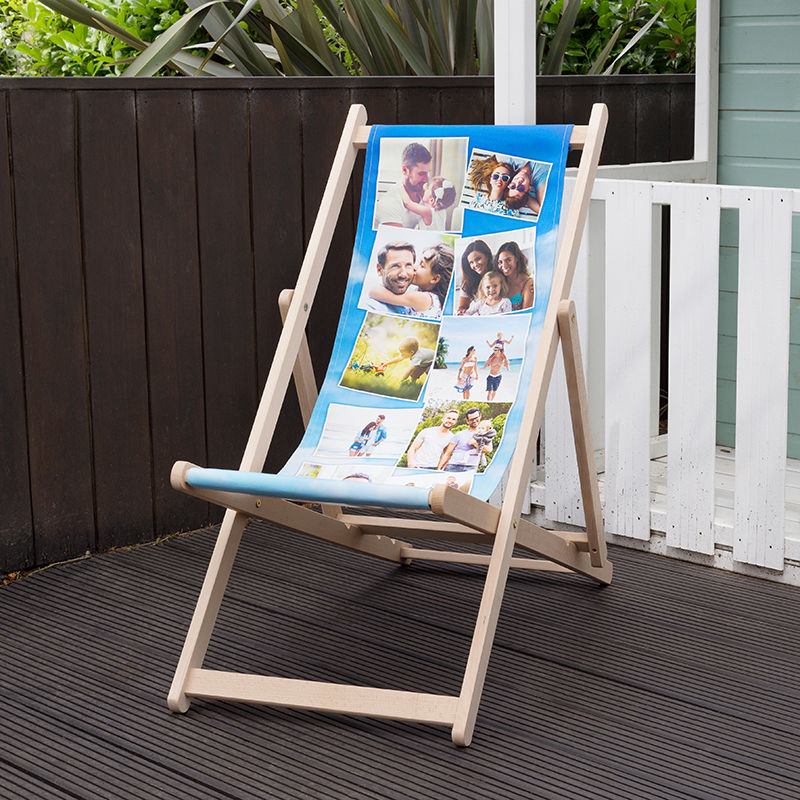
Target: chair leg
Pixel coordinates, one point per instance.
(584, 449)
(208, 604)
(485, 626)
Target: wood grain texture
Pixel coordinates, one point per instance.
(324, 113)
(115, 317)
(652, 134)
(418, 106)
(53, 323)
(762, 377)
(620, 147)
(276, 161)
(172, 293)
(16, 523)
(691, 452)
(627, 388)
(381, 110)
(226, 270)
(681, 112)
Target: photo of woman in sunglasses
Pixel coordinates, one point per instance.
(505, 185)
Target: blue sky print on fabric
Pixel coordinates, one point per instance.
(443, 308)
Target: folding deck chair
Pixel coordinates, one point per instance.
(455, 494)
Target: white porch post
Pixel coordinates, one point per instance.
(515, 62)
(706, 87)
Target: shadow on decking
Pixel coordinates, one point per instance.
(677, 681)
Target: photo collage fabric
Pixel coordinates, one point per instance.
(447, 292)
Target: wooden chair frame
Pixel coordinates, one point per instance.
(462, 518)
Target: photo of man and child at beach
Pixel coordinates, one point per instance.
(507, 186)
(479, 358)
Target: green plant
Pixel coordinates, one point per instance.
(442, 347)
(613, 36)
(38, 42)
(341, 37)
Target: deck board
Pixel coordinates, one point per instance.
(675, 682)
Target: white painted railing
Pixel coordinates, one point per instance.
(701, 496)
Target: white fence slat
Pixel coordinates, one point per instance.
(627, 386)
(762, 376)
(693, 314)
(562, 495)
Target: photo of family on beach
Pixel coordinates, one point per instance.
(508, 186)
(479, 358)
(456, 437)
(419, 183)
(409, 273)
(392, 357)
(365, 432)
(496, 273)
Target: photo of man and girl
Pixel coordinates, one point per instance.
(496, 273)
(508, 186)
(419, 183)
(365, 432)
(479, 358)
(409, 274)
(456, 437)
(392, 357)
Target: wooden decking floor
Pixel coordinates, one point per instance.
(677, 681)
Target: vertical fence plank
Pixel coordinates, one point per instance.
(226, 268)
(563, 501)
(562, 493)
(578, 101)
(628, 319)
(278, 243)
(16, 525)
(693, 307)
(172, 294)
(108, 165)
(619, 146)
(652, 122)
(381, 105)
(681, 114)
(52, 306)
(462, 105)
(550, 104)
(324, 113)
(418, 106)
(762, 376)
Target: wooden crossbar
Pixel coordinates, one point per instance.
(576, 141)
(481, 559)
(437, 709)
(461, 518)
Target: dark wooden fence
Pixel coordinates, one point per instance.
(146, 230)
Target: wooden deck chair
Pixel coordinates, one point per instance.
(375, 364)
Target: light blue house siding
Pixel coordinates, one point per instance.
(759, 145)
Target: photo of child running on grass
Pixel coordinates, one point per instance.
(392, 357)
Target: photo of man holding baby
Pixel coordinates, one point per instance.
(419, 183)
